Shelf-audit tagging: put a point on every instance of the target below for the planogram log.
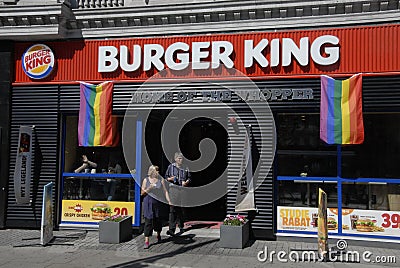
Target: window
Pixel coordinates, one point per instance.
(301, 153)
(102, 160)
(379, 155)
(371, 170)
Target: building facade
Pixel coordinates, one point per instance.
(281, 48)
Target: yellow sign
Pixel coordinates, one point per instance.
(295, 217)
(94, 211)
(322, 224)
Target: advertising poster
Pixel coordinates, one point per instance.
(22, 172)
(91, 211)
(46, 228)
(372, 222)
(354, 221)
(305, 219)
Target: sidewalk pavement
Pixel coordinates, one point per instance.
(194, 248)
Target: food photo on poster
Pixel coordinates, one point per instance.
(373, 222)
(100, 211)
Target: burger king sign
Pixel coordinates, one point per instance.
(38, 61)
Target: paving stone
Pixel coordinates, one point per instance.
(195, 251)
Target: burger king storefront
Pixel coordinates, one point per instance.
(207, 86)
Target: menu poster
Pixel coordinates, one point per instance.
(372, 222)
(91, 211)
(303, 219)
(354, 221)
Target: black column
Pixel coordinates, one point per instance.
(6, 72)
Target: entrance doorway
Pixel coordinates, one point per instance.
(192, 133)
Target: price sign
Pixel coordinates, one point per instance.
(94, 211)
(121, 211)
(390, 220)
(372, 222)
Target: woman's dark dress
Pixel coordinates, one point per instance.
(152, 208)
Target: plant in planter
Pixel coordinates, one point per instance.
(116, 218)
(115, 229)
(234, 232)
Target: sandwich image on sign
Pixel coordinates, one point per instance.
(100, 211)
(367, 225)
(332, 224)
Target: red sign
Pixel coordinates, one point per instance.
(263, 55)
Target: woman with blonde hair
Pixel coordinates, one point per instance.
(154, 192)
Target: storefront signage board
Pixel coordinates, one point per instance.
(92, 211)
(340, 51)
(38, 61)
(276, 94)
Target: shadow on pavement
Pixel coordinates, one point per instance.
(65, 240)
(201, 226)
(144, 261)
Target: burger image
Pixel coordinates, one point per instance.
(332, 224)
(100, 211)
(365, 225)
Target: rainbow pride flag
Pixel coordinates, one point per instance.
(341, 117)
(95, 126)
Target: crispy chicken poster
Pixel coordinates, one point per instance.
(94, 211)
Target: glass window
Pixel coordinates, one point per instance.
(378, 156)
(300, 150)
(94, 160)
(301, 153)
(300, 132)
(355, 195)
(371, 196)
(305, 194)
(298, 164)
(368, 205)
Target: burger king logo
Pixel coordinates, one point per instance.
(38, 61)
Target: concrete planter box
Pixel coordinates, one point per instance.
(234, 236)
(115, 232)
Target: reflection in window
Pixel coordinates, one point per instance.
(302, 153)
(305, 194)
(371, 196)
(99, 160)
(379, 155)
(300, 150)
(299, 132)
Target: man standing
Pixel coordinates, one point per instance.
(177, 175)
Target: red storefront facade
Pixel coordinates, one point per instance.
(281, 60)
(370, 49)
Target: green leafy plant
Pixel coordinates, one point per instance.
(236, 220)
(116, 218)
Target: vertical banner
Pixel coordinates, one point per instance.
(245, 192)
(46, 227)
(22, 172)
(322, 225)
